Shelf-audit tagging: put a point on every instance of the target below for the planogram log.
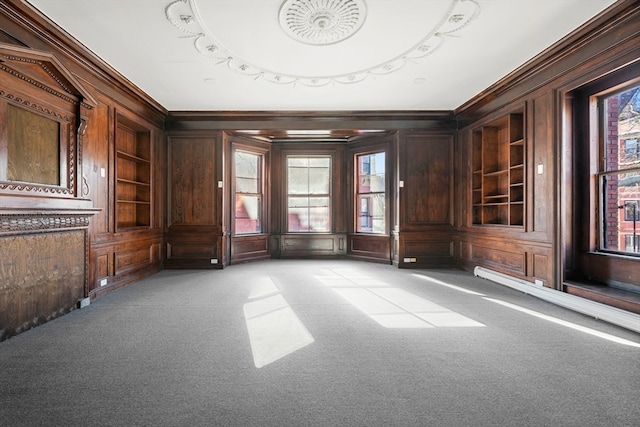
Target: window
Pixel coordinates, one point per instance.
(631, 151)
(248, 193)
(632, 243)
(619, 170)
(632, 210)
(370, 193)
(308, 194)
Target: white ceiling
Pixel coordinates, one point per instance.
(162, 47)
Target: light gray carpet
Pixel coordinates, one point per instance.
(175, 350)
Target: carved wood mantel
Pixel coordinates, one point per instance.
(44, 212)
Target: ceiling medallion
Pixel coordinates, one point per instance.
(321, 22)
(183, 14)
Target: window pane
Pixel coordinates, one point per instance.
(319, 162)
(247, 214)
(247, 172)
(309, 214)
(298, 220)
(308, 189)
(247, 185)
(632, 210)
(620, 180)
(298, 180)
(370, 203)
(371, 213)
(298, 161)
(319, 218)
(621, 218)
(319, 180)
(248, 193)
(622, 129)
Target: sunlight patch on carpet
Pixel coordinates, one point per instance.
(389, 306)
(275, 331)
(448, 285)
(565, 323)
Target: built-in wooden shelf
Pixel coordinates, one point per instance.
(498, 172)
(133, 175)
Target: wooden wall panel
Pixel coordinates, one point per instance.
(42, 278)
(426, 208)
(192, 181)
(245, 248)
(543, 162)
(519, 258)
(373, 248)
(194, 235)
(541, 267)
(132, 259)
(429, 248)
(425, 249)
(116, 265)
(302, 246)
(617, 271)
(97, 167)
(504, 260)
(194, 204)
(428, 179)
(190, 250)
(102, 266)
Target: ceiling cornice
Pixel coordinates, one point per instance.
(226, 120)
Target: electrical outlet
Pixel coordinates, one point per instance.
(407, 260)
(539, 282)
(214, 260)
(103, 282)
(413, 260)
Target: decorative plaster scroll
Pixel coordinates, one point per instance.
(183, 14)
(322, 22)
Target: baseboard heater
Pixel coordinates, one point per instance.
(595, 309)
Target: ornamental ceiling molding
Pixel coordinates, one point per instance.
(321, 22)
(184, 15)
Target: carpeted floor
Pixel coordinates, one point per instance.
(320, 343)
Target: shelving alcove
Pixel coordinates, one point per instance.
(498, 162)
(133, 175)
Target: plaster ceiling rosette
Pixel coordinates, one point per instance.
(319, 42)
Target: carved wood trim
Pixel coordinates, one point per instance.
(33, 106)
(71, 150)
(29, 223)
(36, 83)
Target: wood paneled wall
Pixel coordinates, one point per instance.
(120, 255)
(559, 196)
(424, 232)
(60, 239)
(195, 235)
(188, 224)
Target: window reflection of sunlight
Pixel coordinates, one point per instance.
(274, 329)
(391, 307)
